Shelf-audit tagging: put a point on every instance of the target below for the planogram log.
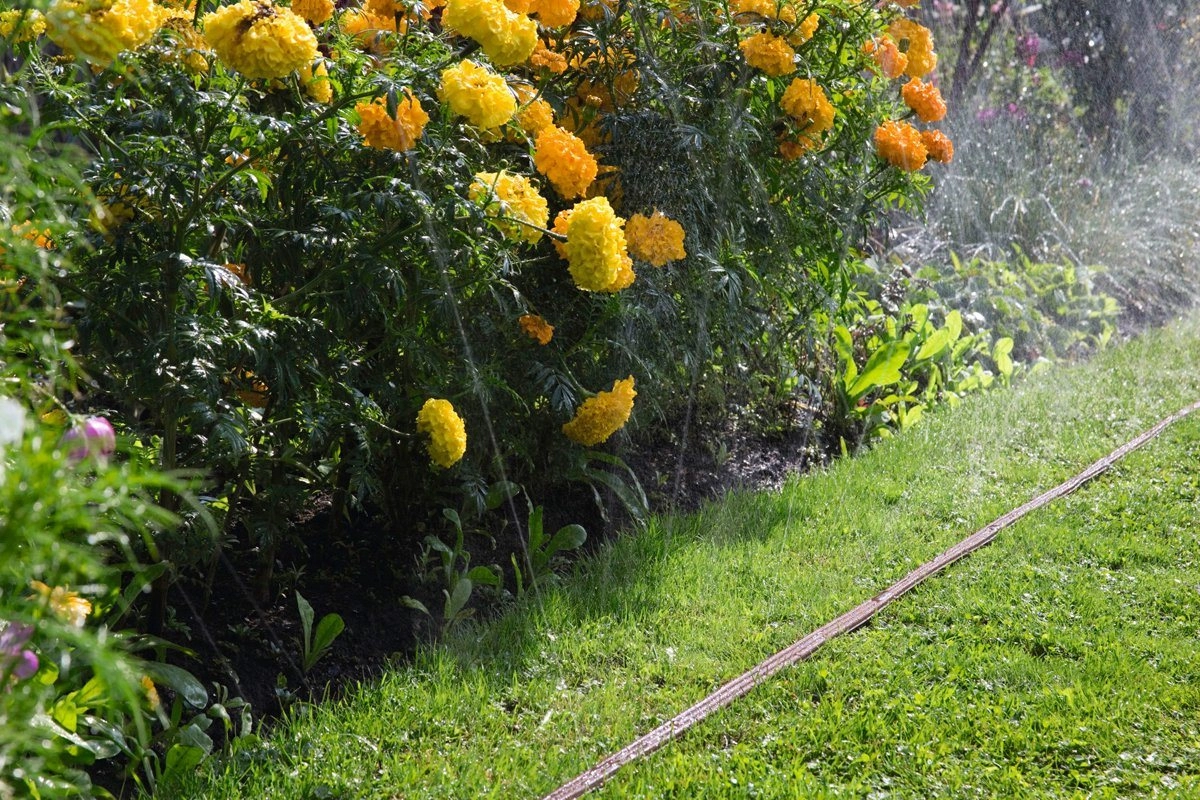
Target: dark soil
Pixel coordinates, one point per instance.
(253, 648)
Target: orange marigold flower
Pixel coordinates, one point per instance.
(317, 12)
(545, 58)
(656, 239)
(534, 114)
(887, 55)
(40, 238)
(68, 606)
(238, 271)
(805, 31)
(563, 158)
(792, 149)
(151, 692)
(921, 57)
(368, 29)
(901, 145)
(384, 132)
(536, 328)
(555, 13)
(767, 9)
(769, 53)
(925, 99)
(601, 416)
(806, 103)
(939, 146)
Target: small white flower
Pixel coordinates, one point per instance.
(12, 421)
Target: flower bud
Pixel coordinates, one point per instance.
(95, 437)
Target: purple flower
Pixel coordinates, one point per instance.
(95, 437)
(14, 657)
(986, 115)
(1027, 48)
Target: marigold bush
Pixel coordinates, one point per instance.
(290, 240)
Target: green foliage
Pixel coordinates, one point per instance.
(1049, 310)
(316, 643)
(540, 550)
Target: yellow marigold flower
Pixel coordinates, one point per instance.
(514, 202)
(601, 416)
(66, 605)
(887, 55)
(596, 252)
(656, 239)
(260, 40)
(447, 432)
(536, 328)
(545, 58)
(22, 25)
(563, 158)
(925, 99)
(191, 51)
(505, 37)
(805, 31)
(555, 13)
(96, 30)
(315, 80)
(317, 12)
(901, 145)
(938, 145)
(769, 53)
(151, 692)
(806, 103)
(400, 132)
(479, 95)
(519, 6)
(921, 57)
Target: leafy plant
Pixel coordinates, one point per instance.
(540, 549)
(316, 643)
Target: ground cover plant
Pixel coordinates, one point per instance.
(1056, 663)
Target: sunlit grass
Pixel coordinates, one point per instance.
(1059, 661)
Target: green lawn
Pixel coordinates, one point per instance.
(1062, 661)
